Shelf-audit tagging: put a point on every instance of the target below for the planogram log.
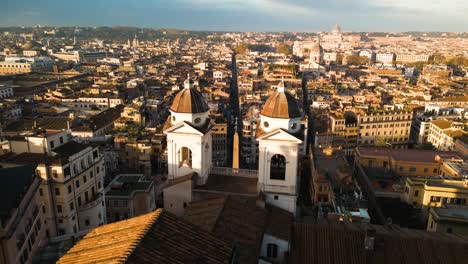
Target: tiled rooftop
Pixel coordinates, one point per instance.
(156, 237)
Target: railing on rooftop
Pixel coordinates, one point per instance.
(226, 171)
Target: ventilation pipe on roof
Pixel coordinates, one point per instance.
(369, 240)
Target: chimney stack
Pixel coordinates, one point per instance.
(369, 240)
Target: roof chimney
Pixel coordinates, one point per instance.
(369, 240)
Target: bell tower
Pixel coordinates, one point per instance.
(188, 131)
(281, 137)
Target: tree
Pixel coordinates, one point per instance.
(284, 48)
(427, 146)
(242, 48)
(356, 60)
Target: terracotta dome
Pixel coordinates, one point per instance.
(281, 105)
(189, 100)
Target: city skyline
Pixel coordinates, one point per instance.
(235, 15)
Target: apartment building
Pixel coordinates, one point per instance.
(22, 221)
(72, 179)
(17, 65)
(129, 195)
(6, 91)
(385, 128)
(448, 219)
(433, 192)
(219, 134)
(385, 58)
(410, 58)
(135, 154)
(443, 133)
(92, 102)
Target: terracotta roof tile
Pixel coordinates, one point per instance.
(344, 243)
(157, 237)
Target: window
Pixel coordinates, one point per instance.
(434, 170)
(55, 173)
(412, 169)
(52, 144)
(87, 222)
(57, 191)
(449, 230)
(97, 169)
(66, 171)
(77, 183)
(84, 178)
(416, 193)
(185, 157)
(59, 208)
(272, 250)
(426, 169)
(91, 174)
(69, 188)
(278, 167)
(435, 199)
(79, 200)
(41, 192)
(61, 140)
(72, 207)
(265, 124)
(86, 196)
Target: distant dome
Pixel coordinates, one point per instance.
(281, 104)
(31, 45)
(317, 48)
(336, 29)
(189, 100)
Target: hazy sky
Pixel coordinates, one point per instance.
(243, 15)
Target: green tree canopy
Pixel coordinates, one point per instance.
(356, 60)
(284, 48)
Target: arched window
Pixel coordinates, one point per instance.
(185, 157)
(278, 167)
(272, 250)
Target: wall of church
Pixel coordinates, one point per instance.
(286, 202)
(290, 151)
(200, 154)
(177, 197)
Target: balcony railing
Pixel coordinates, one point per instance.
(37, 213)
(97, 199)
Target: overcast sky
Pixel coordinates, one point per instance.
(243, 15)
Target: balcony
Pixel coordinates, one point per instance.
(21, 243)
(96, 200)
